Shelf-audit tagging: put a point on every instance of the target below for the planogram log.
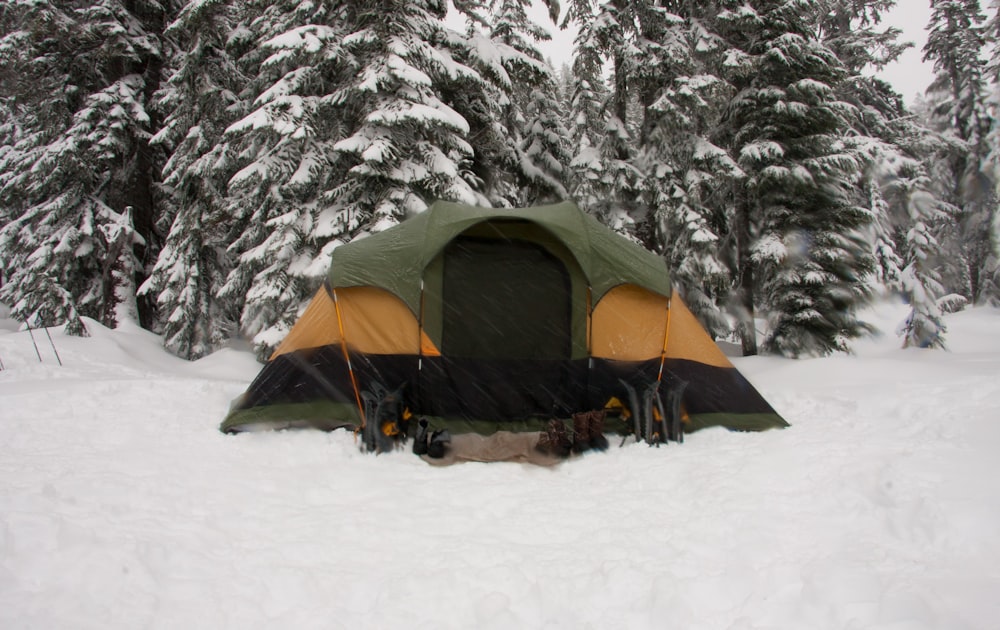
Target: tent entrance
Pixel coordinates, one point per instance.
(504, 303)
(504, 299)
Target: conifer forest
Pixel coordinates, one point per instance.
(192, 165)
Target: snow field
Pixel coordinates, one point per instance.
(122, 506)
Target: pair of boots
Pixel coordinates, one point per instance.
(588, 431)
(554, 439)
(433, 445)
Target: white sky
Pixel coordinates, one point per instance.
(910, 76)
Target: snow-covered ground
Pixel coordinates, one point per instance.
(122, 506)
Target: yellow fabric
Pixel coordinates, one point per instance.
(628, 324)
(374, 322)
(316, 327)
(347, 358)
(688, 340)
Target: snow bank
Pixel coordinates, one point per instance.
(122, 506)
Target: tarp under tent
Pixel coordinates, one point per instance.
(498, 323)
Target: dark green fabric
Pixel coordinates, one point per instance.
(396, 258)
(736, 421)
(513, 319)
(326, 415)
(519, 231)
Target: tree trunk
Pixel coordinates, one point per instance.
(141, 198)
(974, 278)
(144, 180)
(746, 328)
(621, 100)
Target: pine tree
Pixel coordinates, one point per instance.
(295, 63)
(407, 146)
(201, 98)
(687, 175)
(955, 45)
(531, 114)
(348, 133)
(992, 290)
(907, 218)
(907, 214)
(483, 97)
(545, 153)
(79, 182)
(798, 222)
(587, 111)
(606, 35)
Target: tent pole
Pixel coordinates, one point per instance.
(666, 336)
(347, 357)
(590, 341)
(417, 394)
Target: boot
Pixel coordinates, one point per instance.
(596, 430)
(581, 431)
(440, 440)
(420, 440)
(558, 441)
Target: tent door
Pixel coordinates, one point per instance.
(506, 331)
(504, 300)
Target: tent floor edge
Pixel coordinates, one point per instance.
(324, 415)
(735, 421)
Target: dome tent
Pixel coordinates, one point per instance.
(497, 321)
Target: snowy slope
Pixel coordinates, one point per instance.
(122, 506)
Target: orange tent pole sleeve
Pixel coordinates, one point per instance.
(666, 337)
(347, 357)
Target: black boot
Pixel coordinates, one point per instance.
(420, 440)
(439, 443)
(596, 426)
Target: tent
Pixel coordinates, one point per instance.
(498, 321)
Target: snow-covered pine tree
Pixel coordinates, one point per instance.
(956, 45)
(348, 133)
(610, 30)
(688, 177)
(82, 165)
(544, 150)
(588, 116)
(406, 146)
(909, 214)
(797, 217)
(532, 113)
(482, 98)
(285, 145)
(906, 213)
(515, 97)
(992, 292)
(888, 262)
(854, 32)
(201, 100)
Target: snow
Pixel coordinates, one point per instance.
(122, 506)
